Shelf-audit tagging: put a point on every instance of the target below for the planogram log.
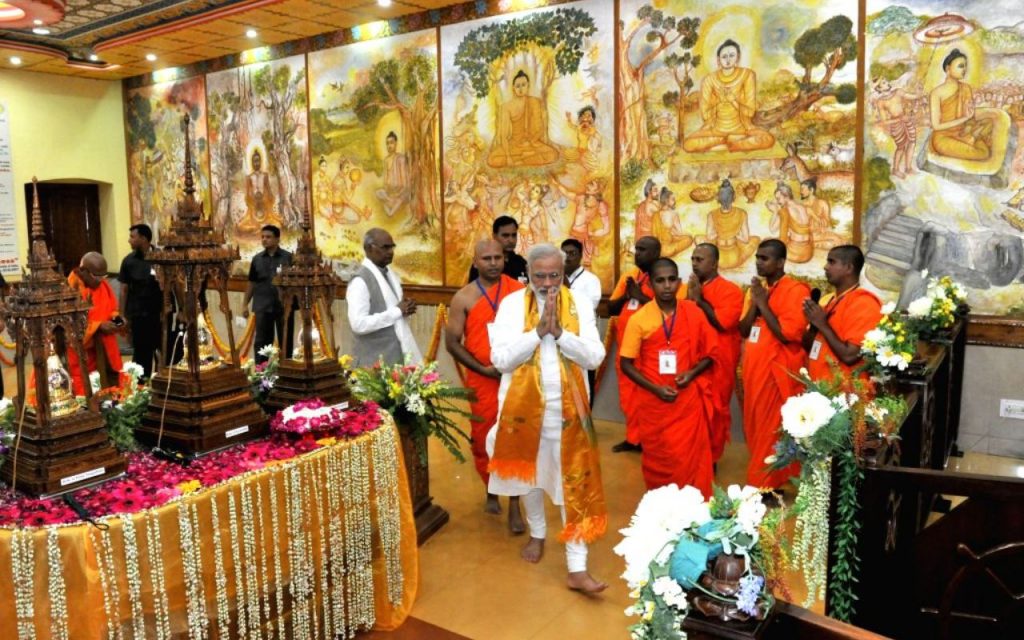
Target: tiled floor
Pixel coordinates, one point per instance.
(474, 583)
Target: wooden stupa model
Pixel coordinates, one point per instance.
(202, 403)
(63, 444)
(307, 287)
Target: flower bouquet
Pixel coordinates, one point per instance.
(833, 420)
(419, 399)
(685, 555)
(936, 310)
(262, 376)
(890, 346)
(123, 407)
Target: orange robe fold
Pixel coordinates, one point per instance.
(627, 386)
(477, 342)
(768, 368)
(104, 308)
(850, 315)
(676, 435)
(726, 299)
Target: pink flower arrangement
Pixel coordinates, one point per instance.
(307, 416)
(151, 482)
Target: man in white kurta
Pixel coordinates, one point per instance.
(378, 312)
(511, 347)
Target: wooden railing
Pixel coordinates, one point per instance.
(938, 575)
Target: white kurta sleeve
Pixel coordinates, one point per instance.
(590, 287)
(511, 346)
(359, 316)
(585, 349)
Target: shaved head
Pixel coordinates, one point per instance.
(485, 246)
(94, 262)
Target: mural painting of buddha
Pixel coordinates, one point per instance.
(727, 105)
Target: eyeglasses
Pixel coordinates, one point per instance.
(545, 277)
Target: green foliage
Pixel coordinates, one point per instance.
(395, 80)
(670, 99)
(846, 93)
(879, 179)
(563, 30)
(140, 120)
(813, 45)
(845, 564)
(887, 71)
(893, 19)
(632, 172)
(122, 419)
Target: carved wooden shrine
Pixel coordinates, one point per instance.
(63, 445)
(307, 286)
(202, 403)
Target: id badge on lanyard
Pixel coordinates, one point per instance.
(633, 304)
(667, 362)
(755, 333)
(815, 350)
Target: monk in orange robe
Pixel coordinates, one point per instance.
(473, 309)
(669, 351)
(632, 292)
(104, 323)
(722, 302)
(773, 324)
(838, 324)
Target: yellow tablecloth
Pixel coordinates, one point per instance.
(313, 547)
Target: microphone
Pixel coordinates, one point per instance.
(815, 294)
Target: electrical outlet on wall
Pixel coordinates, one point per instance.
(1011, 409)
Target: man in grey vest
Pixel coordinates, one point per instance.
(377, 310)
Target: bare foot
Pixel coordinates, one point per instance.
(515, 517)
(583, 582)
(533, 550)
(492, 505)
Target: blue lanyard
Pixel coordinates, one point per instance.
(668, 329)
(497, 295)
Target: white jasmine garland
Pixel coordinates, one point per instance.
(803, 415)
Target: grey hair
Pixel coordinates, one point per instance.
(544, 250)
(368, 236)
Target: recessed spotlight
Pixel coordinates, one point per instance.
(93, 57)
(41, 31)
(37, 22)
(251, 33)
(151, 57)
(15, 60)
(384, 3)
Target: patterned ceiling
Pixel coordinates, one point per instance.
(119, 33)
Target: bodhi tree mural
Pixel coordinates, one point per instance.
(408, 87)
(663, 32)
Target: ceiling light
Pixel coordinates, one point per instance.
(93, 57)
(384, 3)
(251, 33)
(37, 22)
(151, 57)
(41, 31)
(10, 13)
(15, 60)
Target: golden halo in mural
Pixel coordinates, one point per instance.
(948, 26)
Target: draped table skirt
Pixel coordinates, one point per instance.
(318, 546)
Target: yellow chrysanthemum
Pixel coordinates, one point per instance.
(190, 486)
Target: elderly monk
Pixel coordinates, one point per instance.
(632, 292)
(669, 351)
(544, 339)
(467, 338)
(722, 302)
(838, 324)
(772, 324)
(102, 353)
